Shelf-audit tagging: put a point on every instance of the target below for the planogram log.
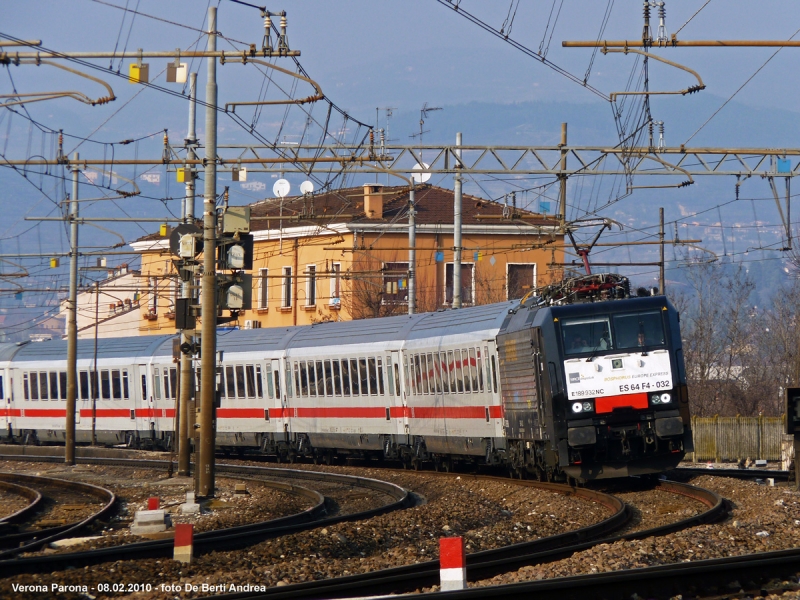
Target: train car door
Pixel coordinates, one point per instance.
(4, 416)
(284, 422)
(276, 403)
(139, 408)
(398, 389)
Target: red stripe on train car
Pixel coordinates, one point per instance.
(448, 412)
(398, 412)
(496, 412)
(10, 412)
(107, 412)
(44, 412)
(609, 403)
(155, 413)
(342, 412)
(241, 413)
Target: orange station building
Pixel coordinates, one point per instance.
(343, 255)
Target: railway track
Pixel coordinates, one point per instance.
(55, 490)
(222, 539)
(486, 564)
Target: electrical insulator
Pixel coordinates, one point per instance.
(661, 36)
(266, 44)
(284, 42)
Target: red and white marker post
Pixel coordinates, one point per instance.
(452, 564)
(184, 542)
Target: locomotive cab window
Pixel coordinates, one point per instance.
(639, 330)
(591, 334)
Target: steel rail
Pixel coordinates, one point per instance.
(482, 565)
(737, 473)
(33, 496)
(222, 539)
(23, 540)
(708, 577)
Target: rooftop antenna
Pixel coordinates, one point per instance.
(423, 114)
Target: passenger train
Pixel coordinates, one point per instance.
(582, 382)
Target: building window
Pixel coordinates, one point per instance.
(336, 283)
(311, 285)
(395, 282)
(263, 289)
(286, 288)
(521, 279)
(467, 283)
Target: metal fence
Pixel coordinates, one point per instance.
(730, 439)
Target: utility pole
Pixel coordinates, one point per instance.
(72, 319)
(562, 195)
(186, 358)
(661, 279)
(412, 252)
(208, 359)
(457, 230)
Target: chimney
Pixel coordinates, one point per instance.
(373, 200)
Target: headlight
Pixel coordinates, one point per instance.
(664, 398)
(577, 407)
(587, 406)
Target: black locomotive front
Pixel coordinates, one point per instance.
(600, 390)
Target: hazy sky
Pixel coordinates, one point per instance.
(401, 54)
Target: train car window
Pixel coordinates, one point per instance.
(270, 386)
(289, 390)
(416, 376)
(639, 330)
(346, 387)
(409, 379)
(445, 369)
(437, 372)
(25, 390)
(494, 374)
(363, 376)
(144, 385)
(157, 383)
(297, 387)
(327, 375)
(250, 381)
(125, 393)
(230, 383)
(424, 372)
(315, 377)
(312, 378)
(166, 385)
(53, 385)
(433, 374)
(450, 371)
(116, 384)
(354, 379)
(323, 375)
(467, 368)
(336, 376)
(105, 384)
(259, 391)
(62, 380)
(396, 379)
(1, 387)
(93, 379)
(241, 391)
(373, 376)
(43, 395)
(590, 334)
(173, 378)
(458, 382)
(479, 368)
(473, 370)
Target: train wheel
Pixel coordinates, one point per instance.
(328, 459)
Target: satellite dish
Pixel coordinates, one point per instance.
(420, 177)
(281, 188)
(306, 187)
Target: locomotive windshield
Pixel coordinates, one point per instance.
(636, 330)
(595, 334)
(589, 334)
